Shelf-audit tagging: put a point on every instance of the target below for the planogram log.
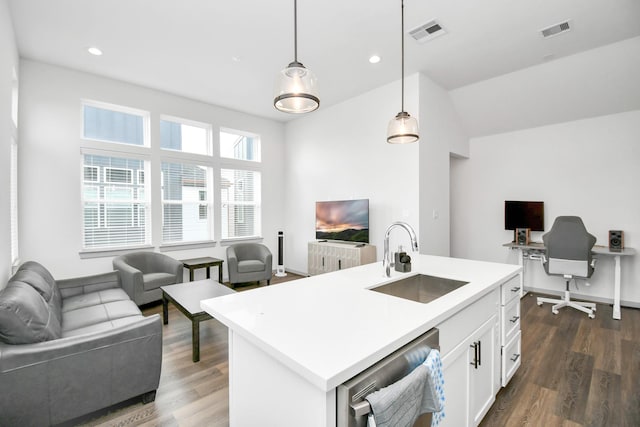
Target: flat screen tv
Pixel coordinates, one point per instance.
(343, 220)
(519, 214)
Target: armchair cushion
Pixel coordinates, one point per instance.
(250, 266)
(155, 280)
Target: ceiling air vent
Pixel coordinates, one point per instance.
(428, 31)
(554, 30)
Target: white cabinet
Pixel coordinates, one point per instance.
(471, 361)
(510, 328)
(332, 256)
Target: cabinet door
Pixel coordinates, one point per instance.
(455, 366)
(484, 366)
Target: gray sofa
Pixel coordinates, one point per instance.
(71, 347)
(143, 272)
(249, 262)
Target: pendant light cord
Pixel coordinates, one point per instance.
(295, 30)
(402, 41)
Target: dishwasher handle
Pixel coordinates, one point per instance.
(361, 408)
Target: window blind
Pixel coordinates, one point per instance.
(240, 202)
(115, 202)
(185, 202)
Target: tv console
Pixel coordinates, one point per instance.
(327, 256)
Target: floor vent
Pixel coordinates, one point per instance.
(428, 31)
(554, 30)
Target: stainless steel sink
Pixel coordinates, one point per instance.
(420, 288)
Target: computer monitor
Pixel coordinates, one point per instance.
(523, 214)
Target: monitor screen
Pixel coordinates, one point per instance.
(346, 220)
(519, 214)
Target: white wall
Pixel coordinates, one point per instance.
(587, 168)
(340, 153)
(50, 210)
(441, 134)
(8, 63)
(588, 84)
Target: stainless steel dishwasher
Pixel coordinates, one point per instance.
(352, 409)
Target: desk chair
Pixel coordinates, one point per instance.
(568, 253)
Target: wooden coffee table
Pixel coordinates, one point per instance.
(203, 262)
(186, 297)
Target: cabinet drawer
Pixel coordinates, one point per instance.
(511, 358)
(510, 321)
(510, 290)
(459, 326)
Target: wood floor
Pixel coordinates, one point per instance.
(575, 372)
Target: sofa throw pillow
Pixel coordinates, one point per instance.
(25, 317)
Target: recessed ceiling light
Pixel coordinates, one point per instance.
(374, 59)
(94, 51)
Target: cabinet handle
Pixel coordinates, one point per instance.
(516, 289)
(323, 261)
(339, 264)
(515, 319)
(480, 353)
(515, 357)
(475, 354)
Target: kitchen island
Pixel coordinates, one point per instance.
(292, 344)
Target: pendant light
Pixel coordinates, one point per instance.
(402, 128)
(296, 90)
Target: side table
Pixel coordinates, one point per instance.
(204, 262)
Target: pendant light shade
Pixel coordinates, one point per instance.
(296, 86)
(403, 128)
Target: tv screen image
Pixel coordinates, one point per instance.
(521, 214)
(345, 220)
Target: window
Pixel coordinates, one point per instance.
(240, 198)
(114, 204)
(234, 145)
(114, 124)
(184, 204)
(186, 137)
(14, 202)
(13, 173)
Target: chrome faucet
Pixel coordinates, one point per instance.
(386, 260)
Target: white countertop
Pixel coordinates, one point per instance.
(328, 328)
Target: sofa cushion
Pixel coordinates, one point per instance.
(25, 317)
(41, 279)
(250, 266)
(155, 280)
(94, 298)
(95, 314)
(103, 326)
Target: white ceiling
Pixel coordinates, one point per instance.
(228, 53)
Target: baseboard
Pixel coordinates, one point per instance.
(579, 296)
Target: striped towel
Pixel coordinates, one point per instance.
(401, 403)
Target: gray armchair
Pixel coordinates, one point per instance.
(568, 254)
(249, 262)
(142, 274)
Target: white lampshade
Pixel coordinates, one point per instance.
(296, 90)
(402, 129)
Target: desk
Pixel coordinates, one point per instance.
(534, 250)
(208, 262)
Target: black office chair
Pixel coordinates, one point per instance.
(568, 253)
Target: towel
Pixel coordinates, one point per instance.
(433, 363)
(402, 402)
